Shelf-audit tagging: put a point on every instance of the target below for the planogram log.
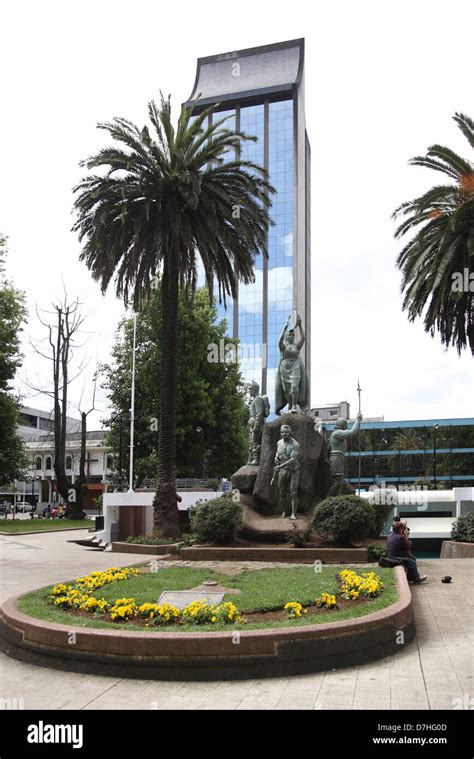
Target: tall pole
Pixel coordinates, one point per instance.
(360, 457)
(132, 405)
(120, 485)
(435, 480)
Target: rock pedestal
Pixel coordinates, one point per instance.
(244, 478)
(260, 499)
(313, 457)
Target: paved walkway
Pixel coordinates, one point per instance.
(433, 672)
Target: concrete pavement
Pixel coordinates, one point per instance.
(433, 672)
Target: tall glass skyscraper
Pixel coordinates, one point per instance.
(262, 91)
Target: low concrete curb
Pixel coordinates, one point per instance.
(45, 532)
(220, 655)
(261, 553)
(141, 548)
(451, 549)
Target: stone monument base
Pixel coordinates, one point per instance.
(272, 529)
(244, 478)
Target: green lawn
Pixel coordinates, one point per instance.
(261, 590)
(13, 526)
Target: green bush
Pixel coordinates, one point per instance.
(463, 528)
(298, 538)
(215, 521)
(381, 511)
(186, 540)
(345, 517)
(375, 551)
(150, 540)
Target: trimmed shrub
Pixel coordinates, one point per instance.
(463, 528)
(375, 551)
(345, 517)
(150, 540)
(215, 521)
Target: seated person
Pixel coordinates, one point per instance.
(47, 511)
(61, 512)
(399, 547)
(395, 519)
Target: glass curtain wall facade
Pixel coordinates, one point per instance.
(275, 116)
(249, 307)
(225, 311)
(280, 237)
(437, 451)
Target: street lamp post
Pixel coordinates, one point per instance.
(34, 478)
(435, 480)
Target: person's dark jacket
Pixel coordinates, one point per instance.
(397, 546)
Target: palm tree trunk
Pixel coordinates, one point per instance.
(470, 335)
(165, 508)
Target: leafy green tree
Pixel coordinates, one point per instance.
(438, 262)
(210, 395)
(162, 201)
(12, 314)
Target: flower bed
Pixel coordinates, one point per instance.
(79, 597)
(352, 587)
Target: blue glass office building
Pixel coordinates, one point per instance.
(440, 451)
(261, 90)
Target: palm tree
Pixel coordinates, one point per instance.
(409, 440)
(436, 258)
(168, 197)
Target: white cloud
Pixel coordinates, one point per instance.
(280, 288)
(365, 116)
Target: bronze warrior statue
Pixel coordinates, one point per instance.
(291, 380)
(287, 468)
(338, 446)
(259, 409)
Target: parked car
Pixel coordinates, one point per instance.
(23, 507)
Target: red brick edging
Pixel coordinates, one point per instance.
(263, 553)
(209, 655)
(141, 548)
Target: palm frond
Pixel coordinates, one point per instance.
(171, 193)
(441, 247)
(466, 125)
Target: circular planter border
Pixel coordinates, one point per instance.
(273, 652)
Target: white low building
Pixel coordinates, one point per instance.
(131, 513)
(430, 514)
(41, 481)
